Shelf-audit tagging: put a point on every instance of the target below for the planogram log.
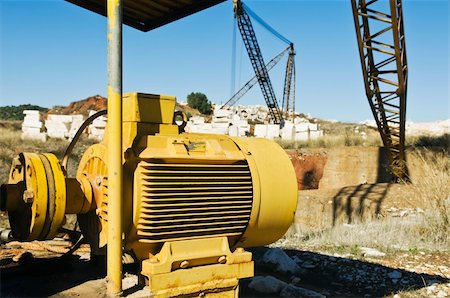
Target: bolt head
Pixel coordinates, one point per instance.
(222, 260)
(28, 196)
(239, 250)
(184, 264)
(154, 260)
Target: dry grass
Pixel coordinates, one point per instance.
(388, 234)
(436, 143)
(427, 229)
(11, 145)
(331, 141)
(433, 189)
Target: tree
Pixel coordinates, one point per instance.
(16, 112)
(199, 101)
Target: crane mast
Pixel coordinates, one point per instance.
(288, 103)
(254, 52)
(381, 42)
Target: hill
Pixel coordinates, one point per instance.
(96, 103)
(83, 106)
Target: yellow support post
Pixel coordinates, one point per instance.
(114, 251)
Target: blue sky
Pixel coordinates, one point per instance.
(52, 53)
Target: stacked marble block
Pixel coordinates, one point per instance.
(196, 124)
(32, 126)
(268, 131)
(96, 130)
(238, 127)
(63, 126)
(297, 131)
(301, 131)
(59, 126)
(223, 122)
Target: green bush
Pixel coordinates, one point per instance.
(199, 101)
(16, 112)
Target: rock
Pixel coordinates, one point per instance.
(403, 213)
(441, 294)
(281, 262)
(371, 252)
(431, 289)
(295, 280)
(308, 265)
(395, 274)
(266, 284)
(293, 291)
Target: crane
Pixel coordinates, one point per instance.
(385, 71)
(241, 13)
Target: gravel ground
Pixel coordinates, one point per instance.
(300, 272)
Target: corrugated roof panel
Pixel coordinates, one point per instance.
(146, 15)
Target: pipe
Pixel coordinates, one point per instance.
(115, 186)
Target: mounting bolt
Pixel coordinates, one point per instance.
(154, 259)
(28, 196)
(98, 181)
(184, 264)
(16, 163)
(239, 250)
(222, 260)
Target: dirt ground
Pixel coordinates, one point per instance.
(34, 272)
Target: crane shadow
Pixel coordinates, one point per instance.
(360, 203)
(363, 202)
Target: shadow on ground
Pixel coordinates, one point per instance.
(357, 204)
(44, 277)
(330, 276)
(342, 277)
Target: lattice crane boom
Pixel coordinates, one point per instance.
(288, 103)
(385, 70)
(254, 52)
(238, 95)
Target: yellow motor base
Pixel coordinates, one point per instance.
(201, 267)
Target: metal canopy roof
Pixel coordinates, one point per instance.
(146, 15)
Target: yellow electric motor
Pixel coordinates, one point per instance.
(191, 201)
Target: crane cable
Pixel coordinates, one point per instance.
(233, 61)
(265, 24)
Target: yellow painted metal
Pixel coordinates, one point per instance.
(198, 266)
(35, 196)
(115, 153)
(80, 198)
(194, 252)
(202, 281)
(275, 191)
(37, 184)
(93, 167)
(148, 108)
(60, 195)
(115, 191)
